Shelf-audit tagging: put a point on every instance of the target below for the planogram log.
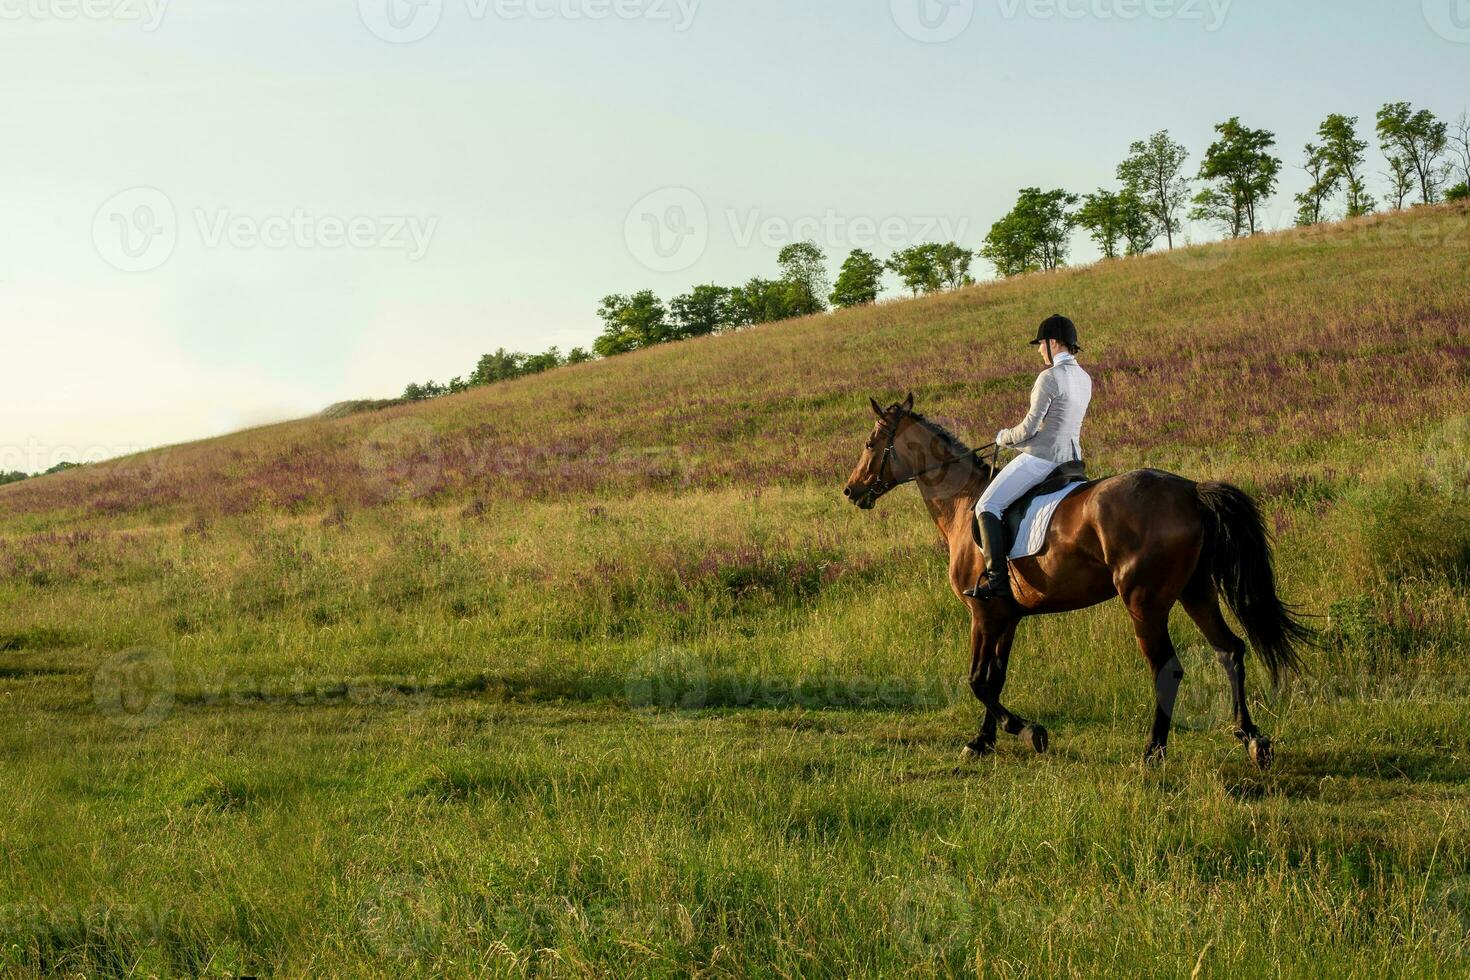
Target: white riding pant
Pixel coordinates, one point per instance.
(1013, 482)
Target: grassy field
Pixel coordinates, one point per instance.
(595, 673)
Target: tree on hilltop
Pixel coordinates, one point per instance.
(545, 361)
(1244, 171)
(1034, 235)
(1417, 140)
(1460, 144)
(1400, 176)
(631, 322)
(952, 262)
(1325, 178)
(701, 311)
(918, 268)
(499, 366)
(415, 392)
(1219, 208)
(859, 280)
(1154, 174)
(1344, 152)
(804, 265)
(763, 300)
(1114, 218)
(1140, 230)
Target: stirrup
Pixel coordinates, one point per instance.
(989, 587)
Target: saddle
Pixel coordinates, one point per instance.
(1064, 475)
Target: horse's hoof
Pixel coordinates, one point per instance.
(1260, 752)
(1153, 755)
(1034, 737)
(976, 750)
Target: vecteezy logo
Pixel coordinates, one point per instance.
(668, 230)
(668, 679)
(401, 21)
(1450, 19)
(402, 918)
(136, 230)
(1447, 457)
(1202, 701)
(1454, 902)
(135, 688)
(933, 21)
(1201, 258)
(402, 459)
(932, 916)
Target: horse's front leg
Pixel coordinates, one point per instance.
(981, 658)
(1031, 734)
(989, 660)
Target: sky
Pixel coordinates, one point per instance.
(222, 213)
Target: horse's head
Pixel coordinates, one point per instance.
(877, 468)
(905, 447)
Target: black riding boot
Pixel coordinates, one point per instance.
(995, 580)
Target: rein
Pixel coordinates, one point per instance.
(883, 486)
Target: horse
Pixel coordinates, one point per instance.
(1149, 537)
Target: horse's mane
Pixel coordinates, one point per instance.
(953, 443)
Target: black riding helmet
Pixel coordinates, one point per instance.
(1059, 328)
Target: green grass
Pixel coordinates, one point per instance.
(460, 836)
(397, 694)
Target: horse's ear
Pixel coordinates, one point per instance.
(877, 409)
(908, 403)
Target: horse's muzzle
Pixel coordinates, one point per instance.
(864, 499)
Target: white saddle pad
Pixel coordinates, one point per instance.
(1031, 536)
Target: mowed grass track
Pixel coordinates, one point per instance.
(595, 674)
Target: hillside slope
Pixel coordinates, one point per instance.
(596, 674)
(1267, 346)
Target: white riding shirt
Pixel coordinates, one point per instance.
(1050, 434)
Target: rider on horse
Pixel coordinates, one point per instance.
(1048, 436)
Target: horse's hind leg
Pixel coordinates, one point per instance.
(1149, 590)
(1152, 630)
(1203, 605)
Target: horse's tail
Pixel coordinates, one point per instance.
(1238, 553)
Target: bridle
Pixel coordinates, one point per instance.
(883, 486)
